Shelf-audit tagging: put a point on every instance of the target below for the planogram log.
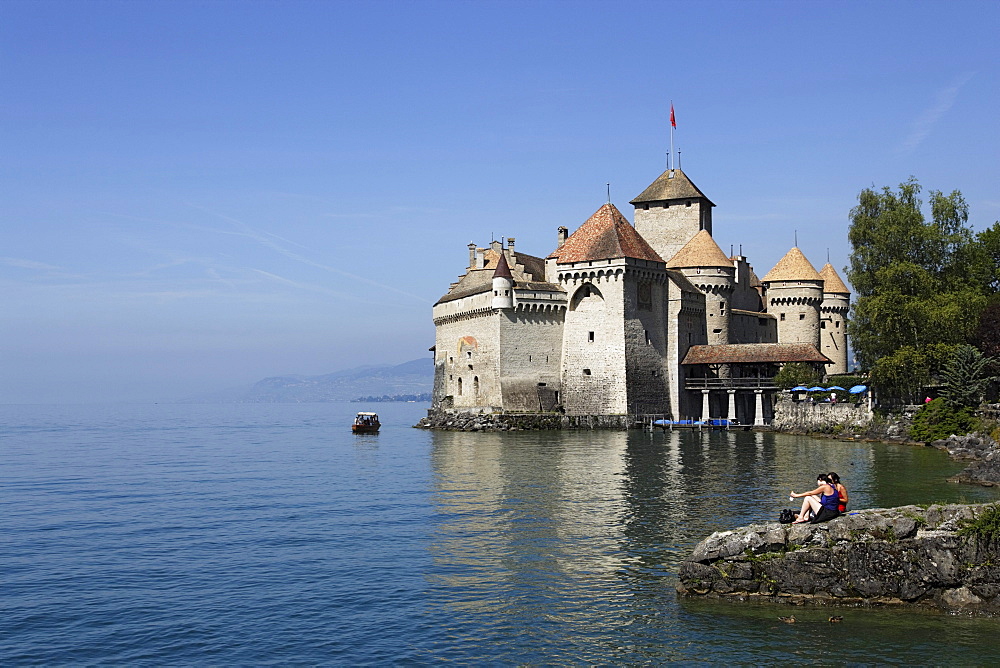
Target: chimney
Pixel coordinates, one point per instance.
(563, 235)
(472, 255)
(510, 250)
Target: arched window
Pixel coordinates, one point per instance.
(475, 385)
(459, 387)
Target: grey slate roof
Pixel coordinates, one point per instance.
(475, 281)
(671, 184)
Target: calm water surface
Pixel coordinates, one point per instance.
(257, 534)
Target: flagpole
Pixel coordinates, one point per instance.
(671, 161)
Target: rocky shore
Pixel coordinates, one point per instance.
(456, 420)
(984, 453)
(907, 556)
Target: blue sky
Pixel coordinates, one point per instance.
(197, 195)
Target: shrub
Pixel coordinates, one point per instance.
(796, 373)
(985, 527)
(937, 420)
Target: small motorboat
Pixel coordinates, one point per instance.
(366, 423)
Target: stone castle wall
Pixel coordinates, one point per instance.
(594, 345)
(645, 331)
(668, 226)
(531, 359)
(796, 304)
(804, 417)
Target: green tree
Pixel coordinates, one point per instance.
(902, 374)
(966, 378)
(796, 373)
(918, 282)
(987, 334)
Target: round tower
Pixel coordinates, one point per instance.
(707, 267)
(833, 319)
(503, 284)
(794, 294)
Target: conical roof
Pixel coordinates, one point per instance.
(831, 281)
(606, 235)
(671, 184)
(701, 251)
(503, 269)
(793, 267)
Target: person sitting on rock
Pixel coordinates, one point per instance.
(820, 504)
(841, 490)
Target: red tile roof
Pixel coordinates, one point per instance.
(606, 235)
(760, 353)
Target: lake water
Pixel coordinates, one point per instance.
(263, 534)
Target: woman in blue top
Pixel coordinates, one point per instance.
(820, 504)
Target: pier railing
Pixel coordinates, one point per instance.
(730, 384)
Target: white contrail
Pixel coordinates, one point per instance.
(924, 123)
(267, 239)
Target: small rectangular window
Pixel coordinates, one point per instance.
(586, 372)
(802, 316)
(837, 324)
(822, 325)
(646, 332)
(590, 336)
(782, 316)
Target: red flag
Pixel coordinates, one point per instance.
(673, 121)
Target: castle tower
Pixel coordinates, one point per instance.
(614, 336)
(503, 285)
(670, 212)
(833, 319)
(794, 293)
(707, 267)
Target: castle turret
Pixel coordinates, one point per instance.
(704, 264)
(670, 212)
(794, 293)
(503, 285)
(833, 319)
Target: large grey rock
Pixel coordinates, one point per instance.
(899, 556)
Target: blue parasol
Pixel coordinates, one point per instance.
(858, 389)
(800, 388)
(836, 387)
(817, 389)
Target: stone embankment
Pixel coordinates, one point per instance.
(896, 556)
(844, 420)
(984, 469)
(456, 420)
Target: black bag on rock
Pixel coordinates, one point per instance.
(787, 516)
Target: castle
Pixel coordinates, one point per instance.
(644, 319)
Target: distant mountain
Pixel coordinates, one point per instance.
(414, 377)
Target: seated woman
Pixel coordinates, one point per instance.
(820, 504)
(841, 490)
